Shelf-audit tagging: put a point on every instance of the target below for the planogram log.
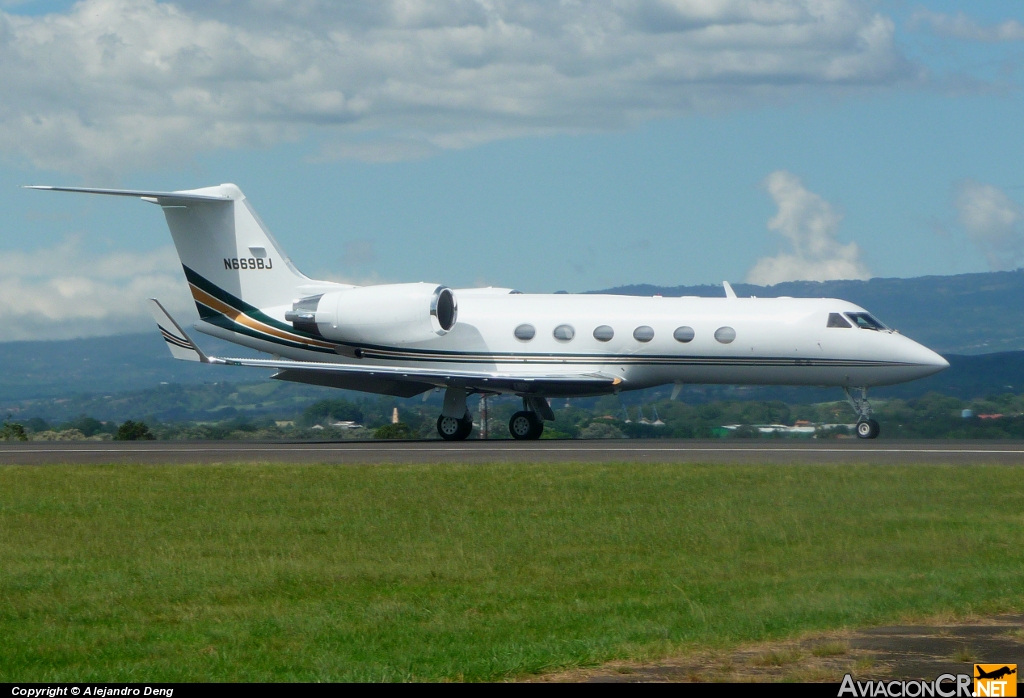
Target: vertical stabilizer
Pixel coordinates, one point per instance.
(227, 252)
(226, 249)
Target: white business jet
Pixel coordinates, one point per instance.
(406, 339)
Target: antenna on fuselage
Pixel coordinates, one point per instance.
(729, 293)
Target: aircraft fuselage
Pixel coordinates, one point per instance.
(773, 341)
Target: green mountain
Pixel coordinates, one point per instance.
(177, 402)
(107, 365)
(968, 377)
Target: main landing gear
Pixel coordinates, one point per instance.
(452, 429)
(456, 423)
(528, 424)
(867, 428)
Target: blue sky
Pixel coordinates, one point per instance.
(869, 139)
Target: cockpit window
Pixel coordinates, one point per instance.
(865, 321)
(837, 320)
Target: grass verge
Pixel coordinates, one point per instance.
(281, 573)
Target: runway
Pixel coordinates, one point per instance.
(475, 451)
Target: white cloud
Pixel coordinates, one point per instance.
(960, 26)
(809, 224)
(67, 291)
(993, 222)
(113, 85)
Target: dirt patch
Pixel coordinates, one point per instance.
(899, 651)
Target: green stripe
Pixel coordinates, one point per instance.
(220, 320)
(240, 305)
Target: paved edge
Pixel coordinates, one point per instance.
(655, 450)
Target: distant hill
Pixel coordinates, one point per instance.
(107, 365)
(177, 402)
(967, 378)
(962, 314)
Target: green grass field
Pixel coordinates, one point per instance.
(310, 573)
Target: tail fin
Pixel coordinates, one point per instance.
(224, 247)
(227, 252)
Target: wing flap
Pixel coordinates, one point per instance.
(362, 383)
(409, 372)
(440, 377)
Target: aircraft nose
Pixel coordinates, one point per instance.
(939, 361)
(929, 361)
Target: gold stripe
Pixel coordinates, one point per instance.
(206, 299)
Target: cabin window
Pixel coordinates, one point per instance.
(683, 334)
(604, 333)
(564, 333)
(525, 333)
(837, 320)
(643, 333)
(725, 334)
(865, 321)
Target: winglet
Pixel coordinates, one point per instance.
(729, 293)
(181, 345)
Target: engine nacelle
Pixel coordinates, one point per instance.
(387, 314)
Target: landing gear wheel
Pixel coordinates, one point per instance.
(452, 429)
(867, 429)
(525, 426)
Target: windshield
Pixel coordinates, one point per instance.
(866, 321)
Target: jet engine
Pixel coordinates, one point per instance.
(388, 314)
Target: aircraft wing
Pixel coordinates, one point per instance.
(393, 380)
(435, 377)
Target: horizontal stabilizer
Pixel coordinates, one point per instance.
(158, 196)
(181, 345)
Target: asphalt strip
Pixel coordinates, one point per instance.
(507, 449)
(477, 451)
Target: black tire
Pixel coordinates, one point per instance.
(525, 426)
(868, 429)
(465, 427)
(520, 426)
(538, 425)
(452, 429)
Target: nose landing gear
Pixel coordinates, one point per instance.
(867, 428)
